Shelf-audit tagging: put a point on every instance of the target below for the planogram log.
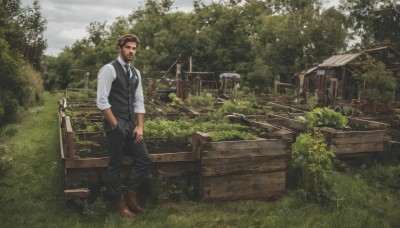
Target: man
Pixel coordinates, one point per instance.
(120, 99)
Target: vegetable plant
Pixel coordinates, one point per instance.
(324, 117)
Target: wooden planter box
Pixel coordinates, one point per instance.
(356, 143)
(359, 143)
(227, 170)
(246, 169)
(346, 143)
(78, 173)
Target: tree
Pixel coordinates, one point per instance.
(97, 32)
(373, 21)
(20, 46)
(23, 29)
(33, 26)
(258, 39)
(377, 81)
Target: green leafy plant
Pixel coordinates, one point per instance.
(312, 161)
(182, 130)
(324, 117)
(244, 106)
(200, 101)
(377, 81)
(176, 101)
(347, 110)
(311, 102)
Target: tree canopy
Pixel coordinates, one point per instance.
(257, 39)
(21, 48)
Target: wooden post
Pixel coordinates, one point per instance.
(198, 138)
(70, 146)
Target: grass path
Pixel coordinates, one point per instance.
(31, 194)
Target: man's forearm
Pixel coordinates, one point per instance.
(140, 119)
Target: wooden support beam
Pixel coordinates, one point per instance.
(78, 193)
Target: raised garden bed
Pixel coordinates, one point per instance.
(80, 172)
(246, 169)
(362, 139)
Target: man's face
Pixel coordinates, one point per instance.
(128, 51)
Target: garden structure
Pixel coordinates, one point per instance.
(225, 169)
(363, 138)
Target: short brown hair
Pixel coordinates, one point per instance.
(127, 38)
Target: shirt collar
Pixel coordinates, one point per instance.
(122, 61)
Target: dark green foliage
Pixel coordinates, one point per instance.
(379, 82)
(374, 21)
(254, 39)
(21, 47)
(312, 167)
(182, 130)
(312, 160)
(157, 188)
(324, 117)
(10, 109)
(243, 106)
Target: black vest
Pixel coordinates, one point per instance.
(122, 94)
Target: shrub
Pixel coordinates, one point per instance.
(10, 109)
(312, 162)
(34, 87)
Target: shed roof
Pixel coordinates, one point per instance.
(339, 60)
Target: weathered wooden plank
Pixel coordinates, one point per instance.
(288, 123)
(246, 186)
(361, 139)
(243, 144)
(284, 107)
(103, 161)
(359, 148)
(87, 163)
(348, 134)
(84, 176)
(70, 145)
(394, 146)
(78, 193)
(274, 150)
(206, 161)
(369, 123)
(269, 127)
(243, 165)
(177, 168)
(172, 157)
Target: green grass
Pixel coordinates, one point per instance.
(31, 193)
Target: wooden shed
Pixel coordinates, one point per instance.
(332, 79)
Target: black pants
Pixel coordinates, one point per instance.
(120, 143)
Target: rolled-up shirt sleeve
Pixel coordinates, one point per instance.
(105, 78)
(139, 98)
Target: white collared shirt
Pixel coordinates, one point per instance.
(106, 76)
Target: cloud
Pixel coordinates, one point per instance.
(67, 20)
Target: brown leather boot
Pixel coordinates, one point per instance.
(131, 201)
(119, 205)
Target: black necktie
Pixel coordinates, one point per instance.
(128, 73)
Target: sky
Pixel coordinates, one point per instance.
(67, 19)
